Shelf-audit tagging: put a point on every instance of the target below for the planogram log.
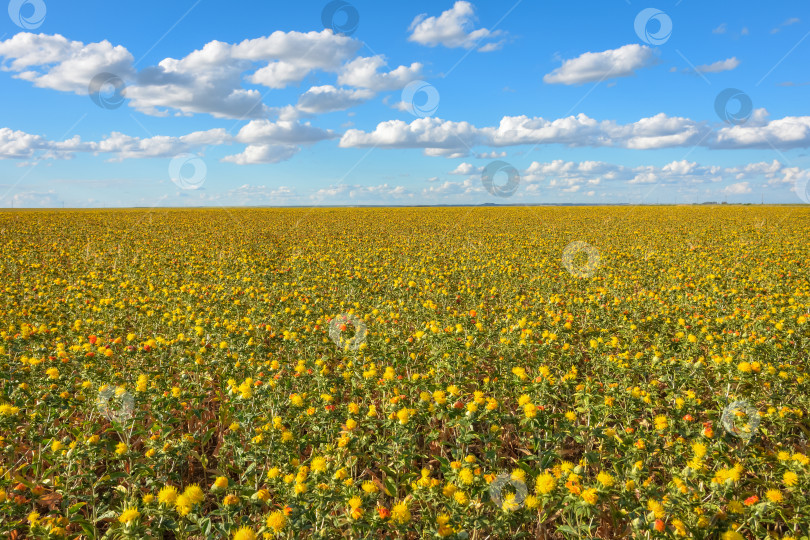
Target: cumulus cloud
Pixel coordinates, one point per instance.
(740, 188)
(15, 144)
(466, 168)
(327, 98)
(359, 193)
(449, 153)
(783, 133)
(364, 72)
(34, 199)
(248, 194)
(207, 80)
(597, 66)
(263, 153)
(282, 131)
(490, 155)
(57, 63)
(655, 132)
(440, 137)
(453, 28)
(123, 146)
(721, 65)
(469, 186)
(570, 176)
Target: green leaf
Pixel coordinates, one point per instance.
(76, 507)
(566, 529)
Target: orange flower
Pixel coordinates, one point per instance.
(384, 512)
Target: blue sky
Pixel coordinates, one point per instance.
(201, 103)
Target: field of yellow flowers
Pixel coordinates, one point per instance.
(465, 373)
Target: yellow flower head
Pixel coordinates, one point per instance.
(167, 495)
(605, 479)
(370, 487)
(221, 482)
(244, 533)
(194, 494)
(400, 513)
(129, 515)
(774, 495)
(590, 496)
(276, 521)
(545, 483)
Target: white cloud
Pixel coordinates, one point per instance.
(568, 174)
(784, 133)
(327, 98)
(449, 153)
(721, 65)
(279, 74)
(248, 194)
(720, 29)
(282, 131)
(358, 193)
(469, 186)
(597, 66)
(740, 188)
(364, 72)
(262, 153)
(208, 80)
(59, 64)
(453, 28)
(490, 155)
(434, 133)
(788, 22)
(33, 199)
(466, 168)
(494, 46)
(127, 147)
